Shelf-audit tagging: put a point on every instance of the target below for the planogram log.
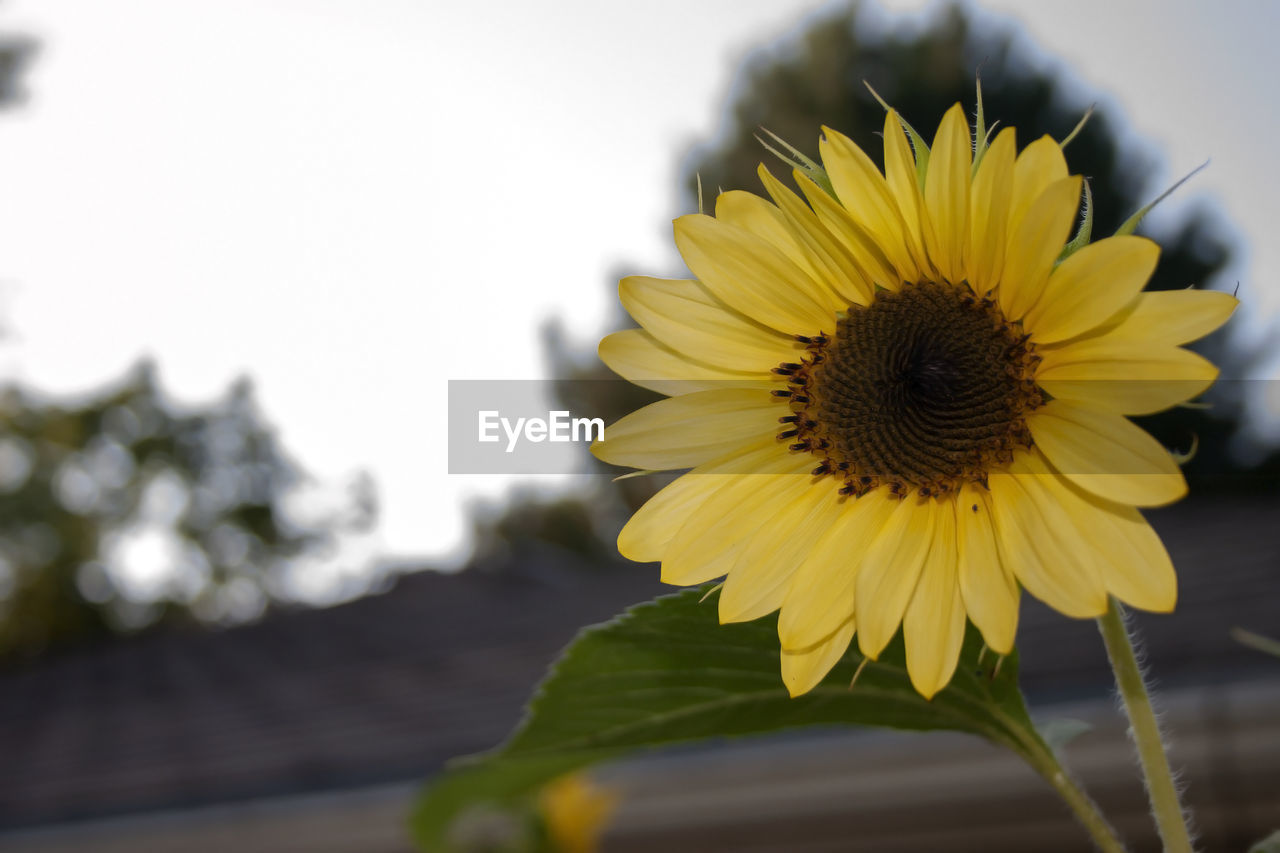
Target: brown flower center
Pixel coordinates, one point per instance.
(925, 389)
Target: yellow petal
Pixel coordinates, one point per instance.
(933, 626)
(989, 212)
(1040, 542)
(709, 542)
(758, 582)
(900, 176)
(685, 316)
(646, 535)
(1173, 316)
(684, 431)
(636, 355)
(1123, 376)
(822, 591)
(1090, 287)
(889, 571)
(750, 212)
(865, 195)
(829, 256)
(1040, 164)
(1106, 454)
(1137, 569)
(1035, 243)
(802, 670)
(1101, 545)
(874, 266)
(946, 194)
(990, 593)
(749, 274)
(1131, 560)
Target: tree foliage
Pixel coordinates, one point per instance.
(123, 509)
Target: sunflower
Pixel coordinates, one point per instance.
(903, 398)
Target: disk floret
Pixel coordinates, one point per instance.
(923, 390)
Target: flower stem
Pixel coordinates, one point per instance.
(1085, 810)
(1146, 733)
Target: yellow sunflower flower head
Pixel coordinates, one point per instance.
(902, 405)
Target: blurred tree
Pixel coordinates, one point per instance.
(528, 523)
(16, 55)
(122, 510)
(817, 79)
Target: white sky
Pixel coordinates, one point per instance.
(414, 187)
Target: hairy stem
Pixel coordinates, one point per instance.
(1084, 808)
(1166, 809)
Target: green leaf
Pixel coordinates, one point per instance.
(666, 672)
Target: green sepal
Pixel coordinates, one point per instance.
(981, 136)
(1270, 844)
(1085, 232)
(643, 472)
(986, 143)
(1131, 224)
(917, 141)
(1183, 457)
(1256, 641)
(796, 159)
(1084, 119)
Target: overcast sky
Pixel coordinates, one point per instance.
(354, 202)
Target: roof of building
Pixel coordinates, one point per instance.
(387, 688)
